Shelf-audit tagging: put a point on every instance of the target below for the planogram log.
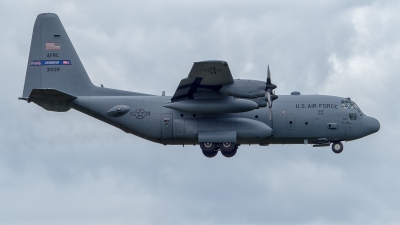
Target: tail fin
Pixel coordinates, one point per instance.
(55, 74)
(53, 62)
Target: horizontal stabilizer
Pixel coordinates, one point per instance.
(51, 99)
(50, 95)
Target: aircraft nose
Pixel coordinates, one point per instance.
(370, 125)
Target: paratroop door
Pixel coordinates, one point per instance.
(166, 125)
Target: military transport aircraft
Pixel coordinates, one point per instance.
(209, 107)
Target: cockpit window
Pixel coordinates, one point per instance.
(348, 104)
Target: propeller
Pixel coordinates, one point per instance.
(269, 87)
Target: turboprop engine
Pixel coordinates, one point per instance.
(244, 89)
(253, 90)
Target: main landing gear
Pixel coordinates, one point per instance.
(211, 149)
(337, 147)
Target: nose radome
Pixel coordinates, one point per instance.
(370, 125)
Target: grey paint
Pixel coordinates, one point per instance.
(295, 118)
(245, 88)
(225, 105)
(218, 136)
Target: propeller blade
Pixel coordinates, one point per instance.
(269, 105)
(270, 113)
(269, 87)
(269, 76)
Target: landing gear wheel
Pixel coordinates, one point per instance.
(227, 147)
(337, 147)
(230, 153)
(210, 154)
(209, 149)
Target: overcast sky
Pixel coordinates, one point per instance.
(68, 168)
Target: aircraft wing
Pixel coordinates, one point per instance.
(204, 77)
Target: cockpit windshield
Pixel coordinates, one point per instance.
(348, 104)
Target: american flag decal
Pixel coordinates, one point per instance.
(52, 46)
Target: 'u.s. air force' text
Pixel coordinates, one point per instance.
(316, 106)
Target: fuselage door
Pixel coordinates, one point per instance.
(166, 125)
(290, 121)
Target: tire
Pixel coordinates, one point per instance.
(337, 147)
(227, 147)
(209, 154)
(209, 149)
(230, 153)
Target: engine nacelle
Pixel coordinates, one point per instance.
(244, 89)
(261, 101)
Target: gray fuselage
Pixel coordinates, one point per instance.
(296, 119)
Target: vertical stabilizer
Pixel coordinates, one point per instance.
(53, 62)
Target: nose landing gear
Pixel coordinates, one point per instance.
(337, 147)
